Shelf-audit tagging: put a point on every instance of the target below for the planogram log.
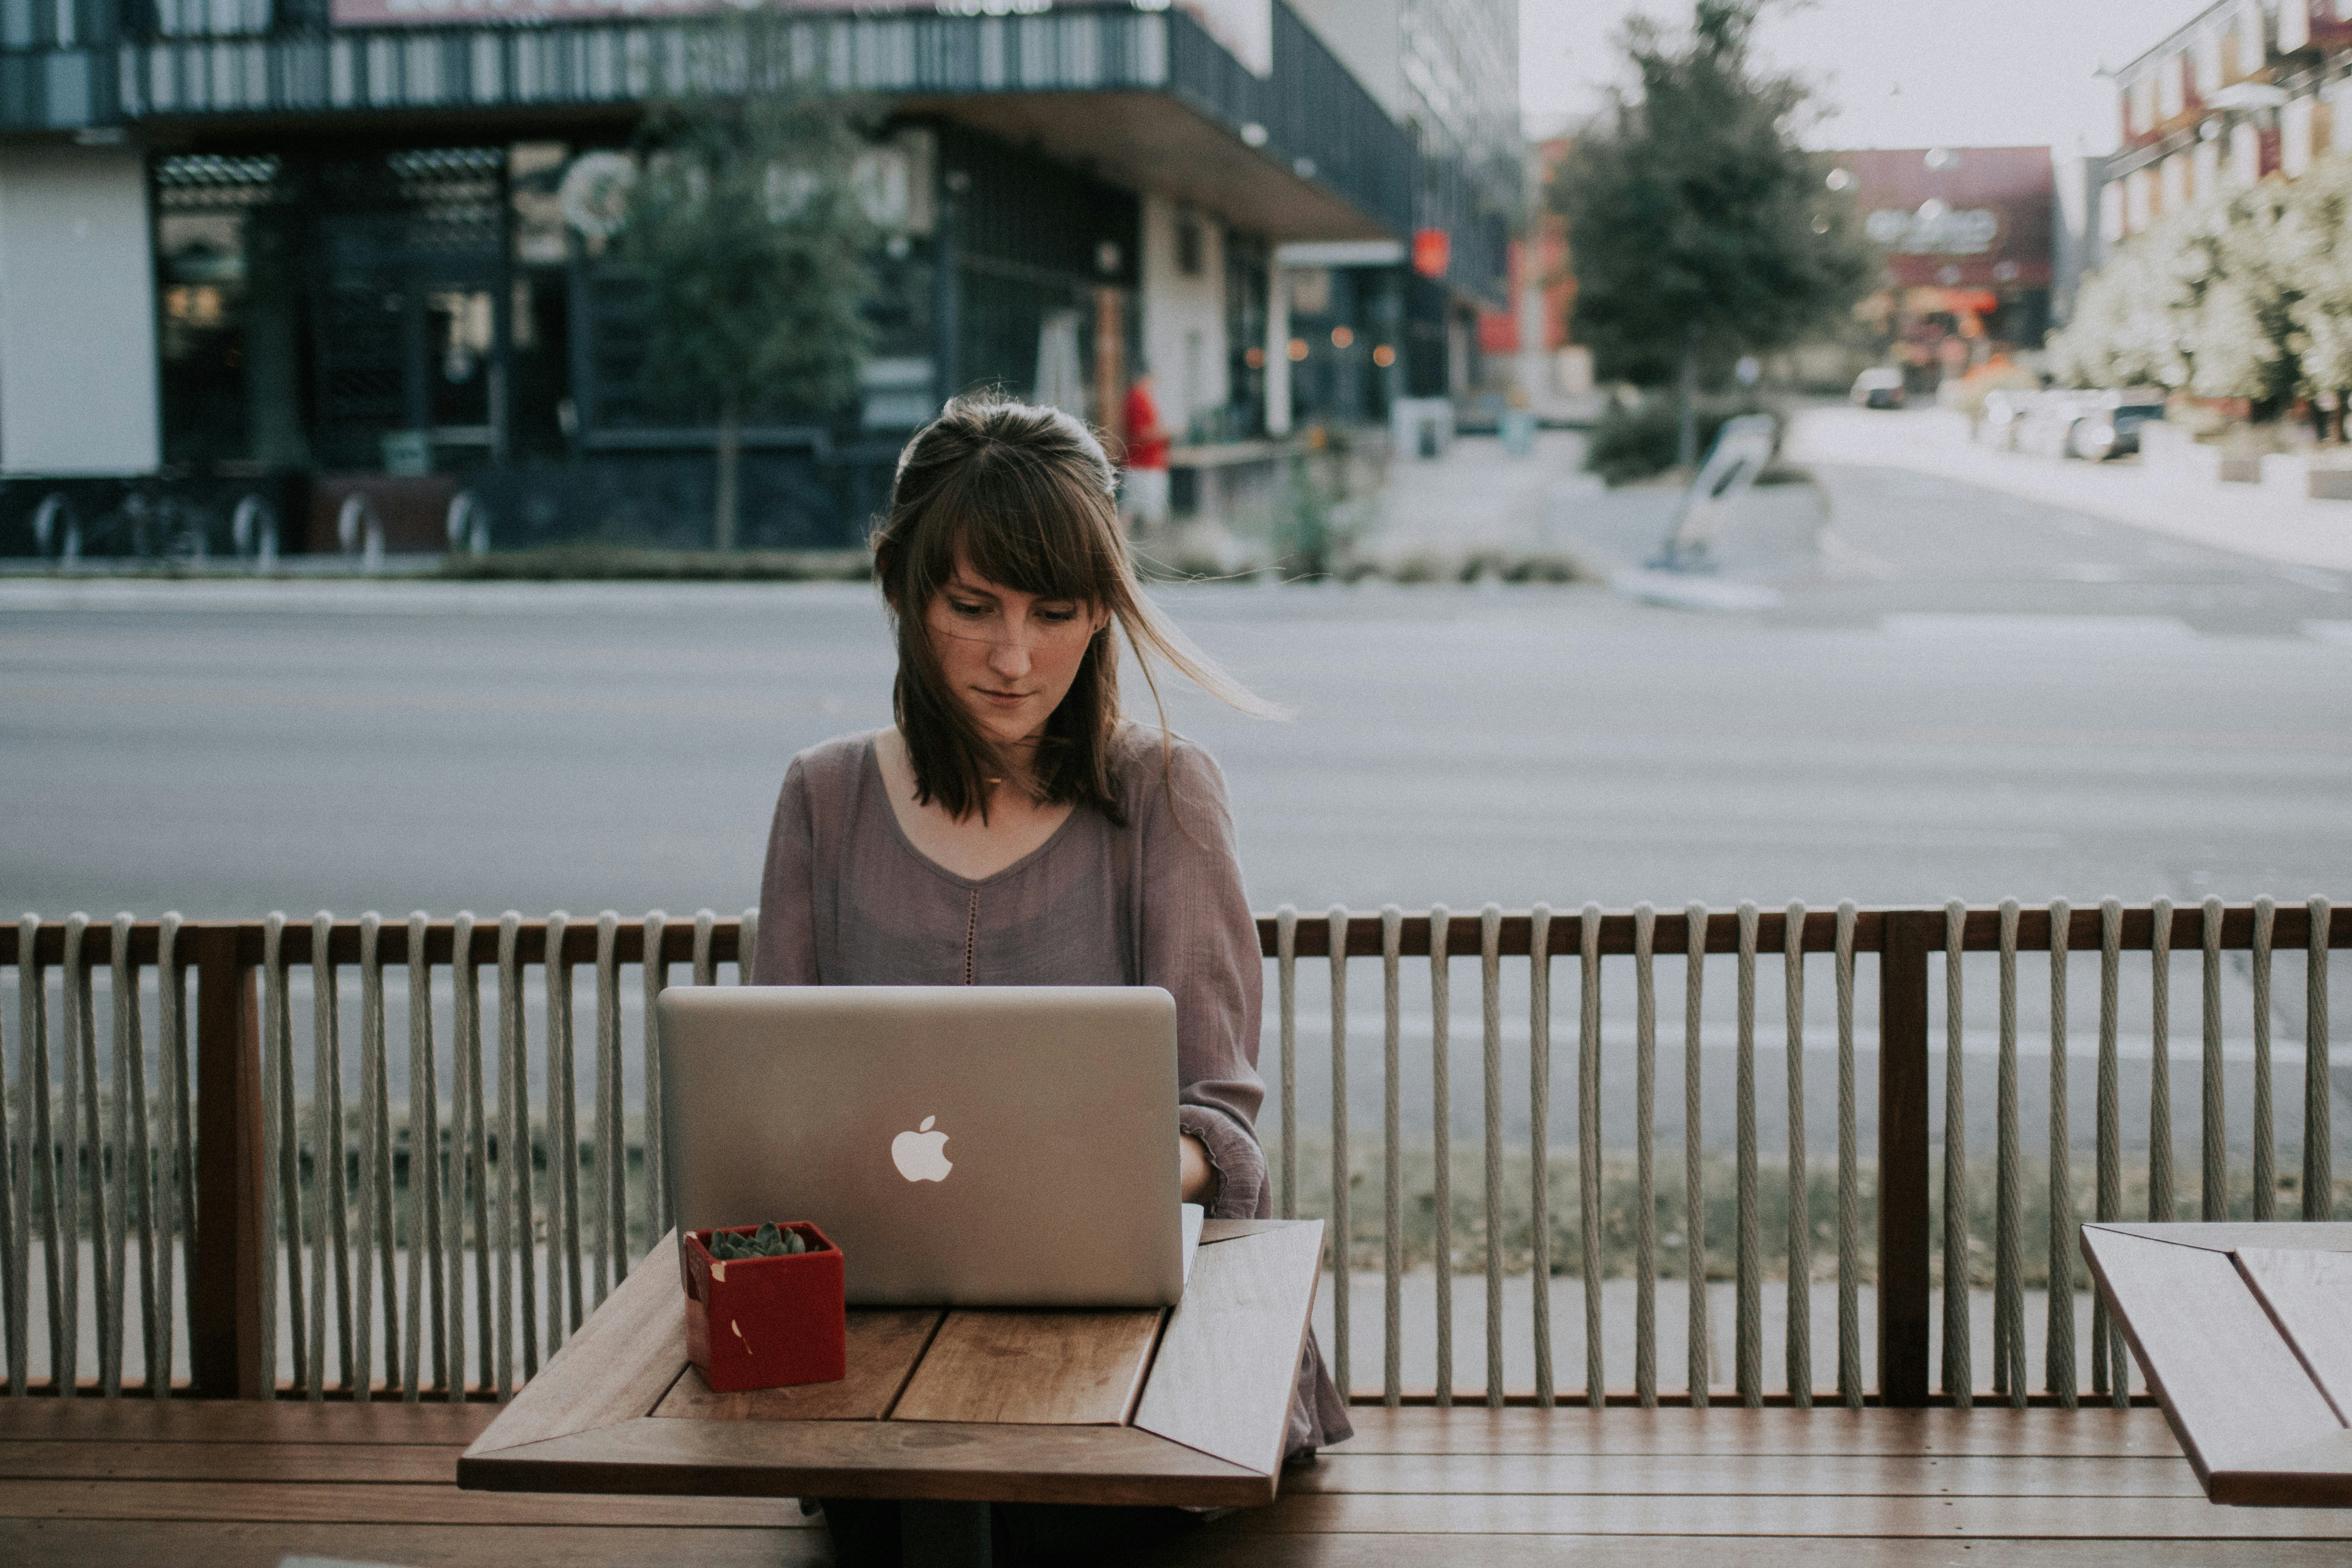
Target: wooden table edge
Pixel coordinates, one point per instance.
(1206, 1482)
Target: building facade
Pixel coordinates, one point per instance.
(1368, 324)
(1968, 237)
(257, 257)
(2245, 90)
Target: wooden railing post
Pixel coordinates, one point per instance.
(1904, 1241)
(225, 1300)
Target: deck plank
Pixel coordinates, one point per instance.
(146, 1544)
(388, 1504)
(1989, 1431)
(337, 1464)
(1750, 1475)
(1221, 1546)
(240, 1421)
(1946, 1518)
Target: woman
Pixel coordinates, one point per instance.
(1014, 827)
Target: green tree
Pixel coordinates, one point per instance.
(1697, 228)
(745, 224)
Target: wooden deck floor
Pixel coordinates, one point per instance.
(145, 1486)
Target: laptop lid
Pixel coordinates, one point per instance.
(1009, 1146)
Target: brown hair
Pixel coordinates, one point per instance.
(1024, 496)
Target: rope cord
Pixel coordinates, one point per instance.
(2265, 1173)
(1285, 975)
(1958, 1372)
(1342, 1229)
(2110, 1366)
(1490, 975)
(1748, 1338)
(1540, 1144)
(1392, 1161)
(2318, 1145)
(1699, 1342)
(2213, 1178)
(2058, 1345)
(1588, 1146)
(2009, 1283)
(1645, 1115)
(1797, 1352)
(1441, 1100)
(1850, 1386)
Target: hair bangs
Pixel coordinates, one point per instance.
(1018, 523)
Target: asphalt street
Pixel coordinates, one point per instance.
(1960, 694)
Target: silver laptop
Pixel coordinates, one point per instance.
(1001, 1146)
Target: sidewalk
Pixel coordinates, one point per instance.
(2243, 518)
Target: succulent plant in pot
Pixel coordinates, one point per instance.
(764, 1306)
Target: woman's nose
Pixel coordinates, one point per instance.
(1009, 655)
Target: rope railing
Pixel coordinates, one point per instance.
(425, 1205)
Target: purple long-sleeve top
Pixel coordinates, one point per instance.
(847, 899)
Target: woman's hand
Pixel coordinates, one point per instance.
(1199, 1177)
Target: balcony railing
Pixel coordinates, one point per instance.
(1310, 115)
(426, 1205)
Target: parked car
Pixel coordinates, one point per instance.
(1881, 387)
(2090, 424)
(2107, 424)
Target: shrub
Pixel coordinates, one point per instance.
(1638, 443)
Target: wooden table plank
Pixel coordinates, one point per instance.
(2233, 1389)
(1071, 1369)
(366, 1505)
(1229, 1360)
(1947, 1518)
(240, 1421)
(1742, 1475)
(2221, 1235)
(2315, 1475)
(1989, 1430)
(884, 1345)
(616, 1367)
(2309, 1296)
(965, 1462)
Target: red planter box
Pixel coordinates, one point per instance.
(765, 1322)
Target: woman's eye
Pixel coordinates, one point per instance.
(1058, 616)
(969, 611)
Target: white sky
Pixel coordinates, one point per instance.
(1896, 73)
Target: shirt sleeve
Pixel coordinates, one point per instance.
(786, 954)
(1200, 942)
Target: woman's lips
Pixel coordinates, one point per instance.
(1002, 698)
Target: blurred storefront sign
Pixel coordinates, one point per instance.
(1433, 252)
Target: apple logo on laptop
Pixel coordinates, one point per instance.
(921, 1156)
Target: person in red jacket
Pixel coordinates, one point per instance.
(1143, 492)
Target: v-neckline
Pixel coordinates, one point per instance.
(890, 808)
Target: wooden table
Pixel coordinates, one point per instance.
(952, 1409)
(2244, 1331)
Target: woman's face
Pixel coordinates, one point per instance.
(1008, 657)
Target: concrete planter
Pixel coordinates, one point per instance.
(2329, 484)
(2286, 473)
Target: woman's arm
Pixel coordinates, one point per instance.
(1200, 942)
(787, 949)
